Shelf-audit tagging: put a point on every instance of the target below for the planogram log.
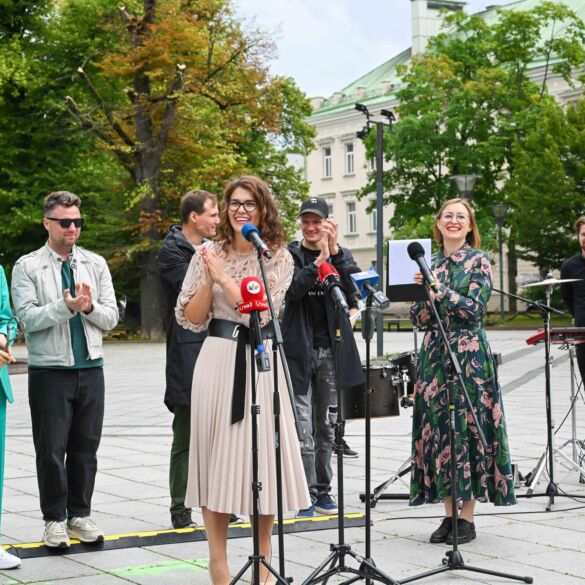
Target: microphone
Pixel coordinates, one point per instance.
(329, 277)
(417, 253)
(253, 302)
(253, 297)
(251, 233)
(365, 282)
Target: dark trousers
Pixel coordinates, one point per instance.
(580, 354)
(67, 411)
(179, 458)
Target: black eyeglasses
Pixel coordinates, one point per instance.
(65, 222)
(249, 205)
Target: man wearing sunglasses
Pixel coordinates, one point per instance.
(64, 296)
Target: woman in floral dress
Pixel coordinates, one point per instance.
(464, 277)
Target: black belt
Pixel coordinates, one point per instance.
(240, 334)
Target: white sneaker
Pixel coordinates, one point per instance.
(8, 561)
(84, 530)
(55, 535)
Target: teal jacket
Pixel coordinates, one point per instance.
(5, 316)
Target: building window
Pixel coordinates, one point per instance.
(327, 162)
(374, 220)
(371, 164)
(330, 207)
(351, 218)
(349, 159)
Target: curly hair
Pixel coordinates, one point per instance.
(270, 224)
(472, 238)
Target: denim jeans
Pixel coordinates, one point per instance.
(67, 411)
(316, 410)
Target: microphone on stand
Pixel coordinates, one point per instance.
(253, 303)
(329, 277)
(365, 282)
(417, 253)
(251, 233)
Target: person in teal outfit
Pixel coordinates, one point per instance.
(464, 277)
(7, 561)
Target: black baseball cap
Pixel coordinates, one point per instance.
(316, 205)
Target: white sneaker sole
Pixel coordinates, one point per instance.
(326, 512)
(62, 544)
(72, 534)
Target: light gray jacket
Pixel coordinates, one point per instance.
(38, 301)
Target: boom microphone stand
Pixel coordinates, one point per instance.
(334, 564)
(454, 560)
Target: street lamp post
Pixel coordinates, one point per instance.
(362, 134)
(500, 212)
(465, 185)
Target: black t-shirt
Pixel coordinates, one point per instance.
(574, 292)
(316, 301)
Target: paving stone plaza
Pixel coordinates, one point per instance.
(131, 494)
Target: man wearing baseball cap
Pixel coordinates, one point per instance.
(308, 331)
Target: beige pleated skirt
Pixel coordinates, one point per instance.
(220, 454)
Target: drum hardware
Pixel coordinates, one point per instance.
(405, 365)
(549, 335)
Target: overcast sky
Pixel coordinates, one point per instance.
(327, 44)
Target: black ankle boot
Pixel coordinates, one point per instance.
(442, 533)
(465, 532)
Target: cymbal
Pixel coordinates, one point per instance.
(552, 282)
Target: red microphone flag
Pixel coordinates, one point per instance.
(253, 297)
(325, 270)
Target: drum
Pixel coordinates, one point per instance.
(384, 398)
(405, 364)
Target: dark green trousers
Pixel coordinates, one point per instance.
(179, 458)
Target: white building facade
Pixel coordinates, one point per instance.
(337, 169)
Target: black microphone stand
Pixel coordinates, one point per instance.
(256, 559)
(334, 564)
(533, 477)
(454, 560)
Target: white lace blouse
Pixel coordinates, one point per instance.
(279, 270)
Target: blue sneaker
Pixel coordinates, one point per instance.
(325, 504)
(306, 512)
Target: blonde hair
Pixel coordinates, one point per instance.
(472, 238)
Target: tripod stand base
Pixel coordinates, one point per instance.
(334, 564)
(255, 561)
(454, 562)
(379, 494)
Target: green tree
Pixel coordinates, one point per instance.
(467, 101)
(130, 107)
(549, 176)
(41, 150)
(193, 103)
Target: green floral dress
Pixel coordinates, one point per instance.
(465, 286)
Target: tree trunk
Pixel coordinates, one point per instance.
(151, 306)
(512, 270)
